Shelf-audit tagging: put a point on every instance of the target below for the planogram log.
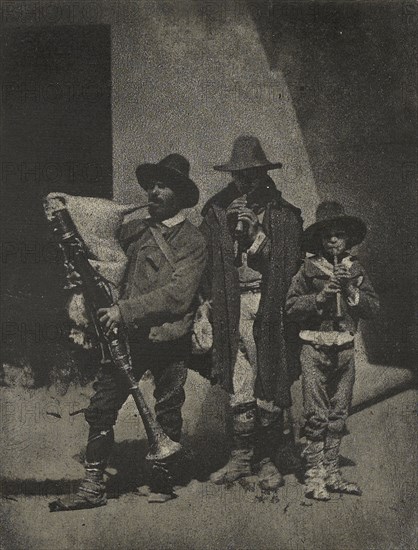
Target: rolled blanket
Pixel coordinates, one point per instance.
(98, 222)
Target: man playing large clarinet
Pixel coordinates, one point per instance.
(328, 296)
(166, 258)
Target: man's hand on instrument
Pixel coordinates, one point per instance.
(250, 220)
(239, 208)
(74, 277)
(110, 317)
(236, 206)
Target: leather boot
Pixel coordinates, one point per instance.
(240, 461)
(315, 471)
(334, 480)
(161, 481)
(269, 438)
(288, 458)
(165, 474)
(92, 490)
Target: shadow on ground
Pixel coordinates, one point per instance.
(127, 468)
(204, 452)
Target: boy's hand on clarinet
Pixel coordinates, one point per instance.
(351, 289)
(331, 288)
(342, 274)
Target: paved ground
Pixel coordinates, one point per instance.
(379, 453)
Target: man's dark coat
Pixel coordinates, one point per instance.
(278, 261)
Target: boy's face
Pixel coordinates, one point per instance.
(334, 240)
(163, 203)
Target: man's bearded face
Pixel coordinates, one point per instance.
(163, 203)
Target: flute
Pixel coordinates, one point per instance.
(338, 310)
(239, 230)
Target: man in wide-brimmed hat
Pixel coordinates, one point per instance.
(254, 239)
(328, 296)
(158, 299)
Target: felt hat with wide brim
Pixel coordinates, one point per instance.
(172, 170)
(332, 213)
(247, 153)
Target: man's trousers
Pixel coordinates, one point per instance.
(166, 362)
(245, 368)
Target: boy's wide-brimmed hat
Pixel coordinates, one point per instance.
(329, 213)
(247, 153)
(172, 170)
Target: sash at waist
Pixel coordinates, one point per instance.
(326, 339)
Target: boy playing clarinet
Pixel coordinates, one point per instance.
(327, 297)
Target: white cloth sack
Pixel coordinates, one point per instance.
(98, 222)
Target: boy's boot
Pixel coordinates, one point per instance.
(92, 489)
(269, 438)
(315, 471)
(334, 480)
(240, 461)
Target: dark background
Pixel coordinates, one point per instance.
(56, 136)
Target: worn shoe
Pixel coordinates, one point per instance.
(315, 472)
(315, 488)
(239, 464)
(90, 494)
(269, 437)
(270, 479)
(337, 484)
(334, 479)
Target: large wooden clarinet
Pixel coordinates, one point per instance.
(114, 345)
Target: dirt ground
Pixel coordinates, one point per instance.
(41, 446)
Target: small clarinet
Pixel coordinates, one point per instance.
(338, 309)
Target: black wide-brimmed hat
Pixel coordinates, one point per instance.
(328, 213)
(173, 170)
(247, 153)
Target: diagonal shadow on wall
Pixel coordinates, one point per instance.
(348, 69)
